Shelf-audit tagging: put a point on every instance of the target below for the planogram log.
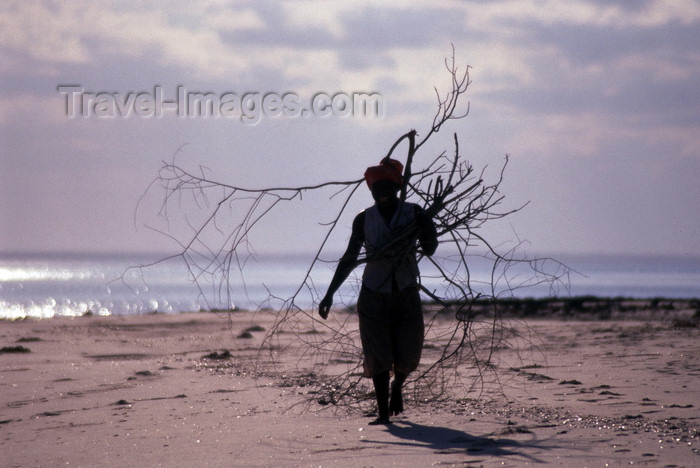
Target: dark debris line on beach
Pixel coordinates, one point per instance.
(15, 349)
(684, 312)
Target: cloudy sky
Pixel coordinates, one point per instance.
(596, 102)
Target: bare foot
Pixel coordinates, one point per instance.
(380, 420)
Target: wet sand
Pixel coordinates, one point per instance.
(185, 390)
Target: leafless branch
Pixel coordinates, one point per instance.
(467, 336)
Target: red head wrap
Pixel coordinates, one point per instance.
(390, 169)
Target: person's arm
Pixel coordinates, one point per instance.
(427, 234)
(347, 263)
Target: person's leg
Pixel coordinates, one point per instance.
(381, 389)
(396, 402)
(408, 344)
(375, 333)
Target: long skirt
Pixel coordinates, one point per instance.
(391, 330)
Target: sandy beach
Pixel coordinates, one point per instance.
(185, 390)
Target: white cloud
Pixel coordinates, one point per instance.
(659, 66)
(328, 16)
(663, 12)
(302, 15)
(488, 15)
(42, 33)
(194, 48)
(77, 33)
(230, 20)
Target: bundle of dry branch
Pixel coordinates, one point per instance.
(462, 353)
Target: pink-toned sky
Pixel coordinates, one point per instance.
(596, 102)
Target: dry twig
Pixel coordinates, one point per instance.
(464, 350)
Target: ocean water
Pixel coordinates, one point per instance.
(45, 286)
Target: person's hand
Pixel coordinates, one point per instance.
(325, 306)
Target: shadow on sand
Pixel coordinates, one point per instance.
(444, 440)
